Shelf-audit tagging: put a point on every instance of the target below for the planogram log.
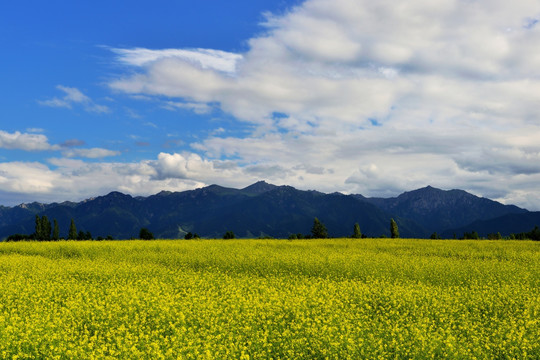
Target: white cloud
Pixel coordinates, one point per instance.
(25, 141)
(93, 153)
(27, 178)
(73, 96)
(198, 108)
(375, 97)
(75, 179)
(203, 58)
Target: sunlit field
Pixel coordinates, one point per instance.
(270, 299)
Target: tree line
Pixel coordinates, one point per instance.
(45, 231)
(319, 231)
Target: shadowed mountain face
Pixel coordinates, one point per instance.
(439, 210)
(505, 225)
(260, 209)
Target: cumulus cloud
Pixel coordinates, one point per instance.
(363, 96)
(75, 179)
(25, 141)
(73, 96)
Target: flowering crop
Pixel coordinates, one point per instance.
(270, 299)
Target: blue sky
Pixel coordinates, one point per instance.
(334, 95)
(51, 46)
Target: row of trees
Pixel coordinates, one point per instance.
(534, 234)
(319, 231)
(45, 231)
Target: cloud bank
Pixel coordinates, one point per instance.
(379, 96)
(355, 96)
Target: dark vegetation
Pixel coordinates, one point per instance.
(267, 211)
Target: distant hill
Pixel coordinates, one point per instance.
(440, 210)
(505, 225)
(264, 209)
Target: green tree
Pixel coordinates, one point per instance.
(394, 231)
(145, 234)
(318, 230)
(494, 236)
(46, 228)
(229, 235)
(56, 231)
(38, 230)
(357, 234)
(190, 236)
(72, 234)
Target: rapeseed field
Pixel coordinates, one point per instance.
(270, 299)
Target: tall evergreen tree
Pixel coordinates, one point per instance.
(56, 231)
(72, 234)
(394, 232)
(46, 228)
(38, 230)
(318, 231)
(357, 234)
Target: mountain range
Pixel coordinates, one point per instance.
(264, 209)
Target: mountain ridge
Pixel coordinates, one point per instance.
(262, 209)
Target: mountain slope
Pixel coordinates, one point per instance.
(258, 210)
(439, 210)
(264, 209)
(505, 225)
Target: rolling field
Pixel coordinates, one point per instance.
(270, 299)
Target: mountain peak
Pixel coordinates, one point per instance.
(258, 188)
(114, 194)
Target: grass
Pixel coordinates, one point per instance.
(270, 299)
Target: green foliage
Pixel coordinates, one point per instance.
(38, 230)
(394, 231)
(145, 234)
(494, 236)
(84, 235)
(357, 234)
(534, 234)
(228, 235)
(18, 237)
(46, 228)
(56, 231)
(318, 231)
(72, 234)
(190, 236)
(435, 236)
(42, 228)
(471, 235)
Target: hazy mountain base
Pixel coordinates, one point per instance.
(264, 210)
